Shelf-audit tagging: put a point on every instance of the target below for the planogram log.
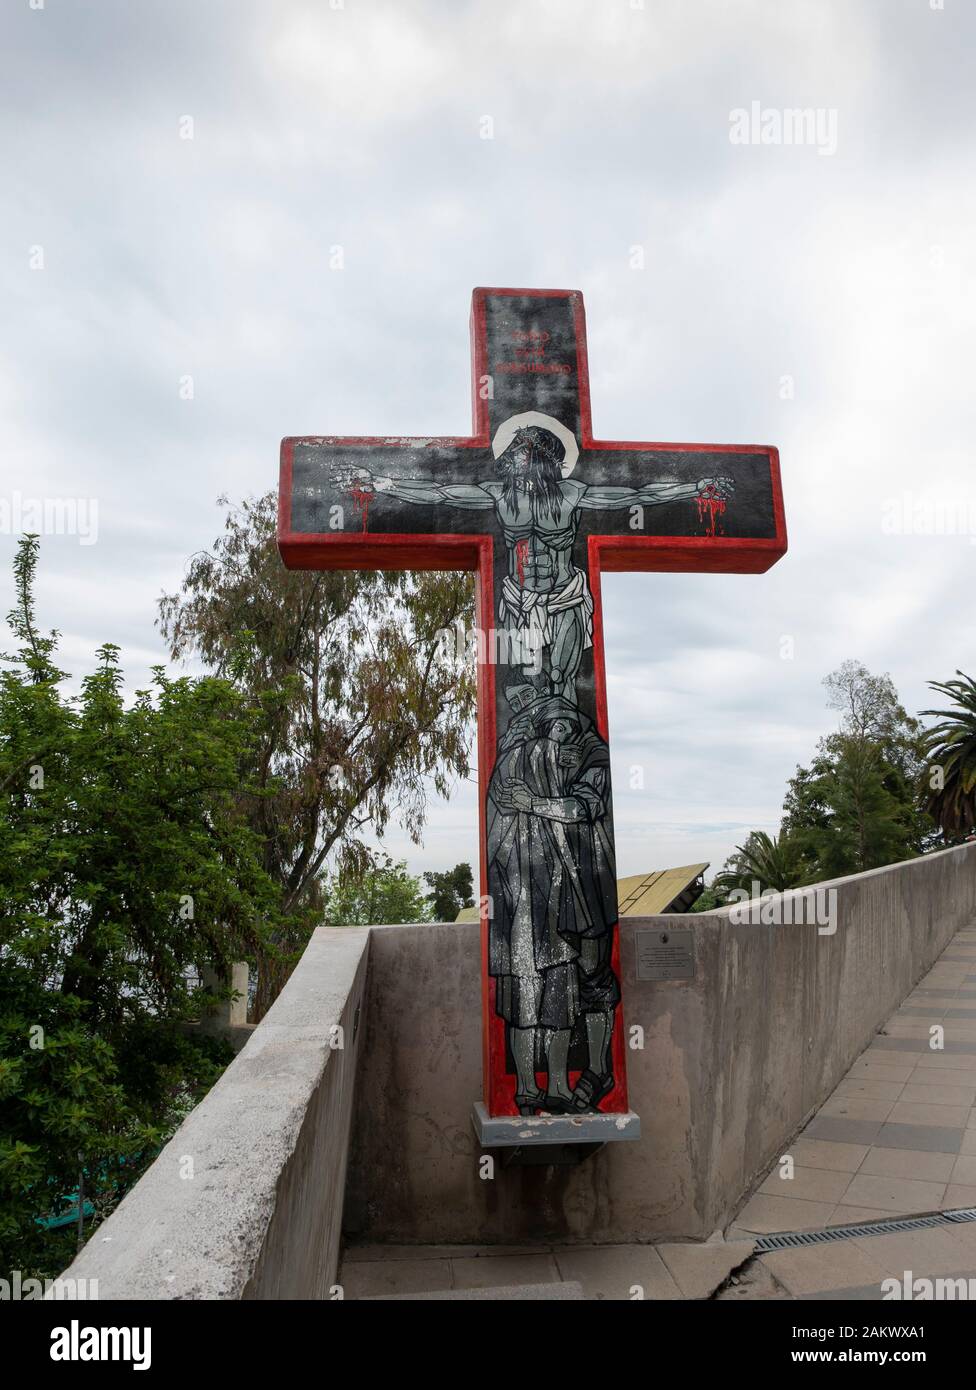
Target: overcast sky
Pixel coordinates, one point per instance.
(818, 296)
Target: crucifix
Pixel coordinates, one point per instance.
(538, 508)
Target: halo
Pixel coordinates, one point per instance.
(506, 431)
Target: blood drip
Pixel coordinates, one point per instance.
(361, 497)
(521, 555)
(710, 506)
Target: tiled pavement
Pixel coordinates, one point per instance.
(896, 1138)
(605, 1272)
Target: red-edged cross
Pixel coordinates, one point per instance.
(515, 502)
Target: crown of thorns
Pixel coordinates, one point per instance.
(540, 440)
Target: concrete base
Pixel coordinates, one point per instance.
(504, 1131)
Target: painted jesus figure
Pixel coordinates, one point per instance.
(551, 871)
(544, 596)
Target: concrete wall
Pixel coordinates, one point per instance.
(261, 1215)
(734, 1062)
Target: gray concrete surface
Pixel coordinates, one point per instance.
(515, 1293)
(245, 1200)
(733, 1063)
(603, 1272)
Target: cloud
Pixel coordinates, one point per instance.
(361, 128)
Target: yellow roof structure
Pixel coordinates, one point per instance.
(644, 895)
(663, 890)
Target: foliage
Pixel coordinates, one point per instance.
(362, 706)
(383, 894)
(126, 867)
(775, 865)
(948, 786)
(856, 806)
(450, 892)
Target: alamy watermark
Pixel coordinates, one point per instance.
(929, 514)
(799, 907)
(17, 1289)
(924, 1290)
(502, 646)
(756, 124)
(50, 516)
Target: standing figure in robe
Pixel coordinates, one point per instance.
(552, 883)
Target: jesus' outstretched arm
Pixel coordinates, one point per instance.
(600, 498)
(469, 497)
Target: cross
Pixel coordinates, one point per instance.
(539, 509)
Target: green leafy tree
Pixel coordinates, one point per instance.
(383, 894)
(363, 708)
(762, 864)
(856, 806)
(450, 892)
(126, 868)
(949, 780)
(871, 812)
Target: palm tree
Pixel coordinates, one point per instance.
(776, 866)
(949, 781)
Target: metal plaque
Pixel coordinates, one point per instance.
(666, 955)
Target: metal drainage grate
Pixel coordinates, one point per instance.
(789, 1240)
(963, 1214)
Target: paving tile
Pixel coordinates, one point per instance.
(907, 1196)
(888, 1069)
(965, 1233)
(369, 1278)
(905, 1112)
(355, 1254)
(698, 1270)
(940, 1092)
(810, 1184)
(764, 1214)
(934, 1250)
(508, 1293)
(931, 1138)
(855, 1108)
(842, 1130)
(885, 1044)
(823, 1153)
(612, 1271)
(815, 1268)
(910, 1028)
(964, 1171)
(957, 1197)
(857, 1216)
(859, 1293)
(960, 1013)
(867, 1088)
(753, 1282)
(908, 1163)
(505, 1270)
(948, 1061)
(933, 1011)
(968, 1145)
